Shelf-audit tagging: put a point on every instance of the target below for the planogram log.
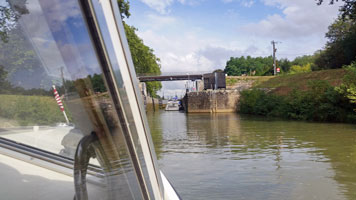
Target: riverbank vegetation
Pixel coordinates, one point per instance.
(283, 85)
(233, 81)
(30, 110)
(317, 100)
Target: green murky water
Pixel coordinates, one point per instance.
(231, 156)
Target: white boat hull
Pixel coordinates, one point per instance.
(172, 106)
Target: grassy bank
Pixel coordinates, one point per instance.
(326, 96)
(30, 110)
(232, 81)
(285, 84)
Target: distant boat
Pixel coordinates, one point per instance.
(172, 106)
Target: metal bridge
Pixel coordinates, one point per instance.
(191, 77)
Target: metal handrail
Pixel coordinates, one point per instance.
(84, 152)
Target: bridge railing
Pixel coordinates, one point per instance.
(172, 73)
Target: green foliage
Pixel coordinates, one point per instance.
(30, 110)
(97, 83)
(20, 61)
(259, 66)
(144, 60)
(348, 10)
(258, 102)
(295, 69)
(263, 66)
(124, 7)
(4, 84)
(3, 74)
(230, 81)
(306, 60)
(348, 87)
(340, 49)
(9, 17)
(321, 102)
(284, 64)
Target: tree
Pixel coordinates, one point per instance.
(295, 69)
(284, 64)
(124, 7)
(9, 17)
(339, 30)
(348, 10)
(4, 84)
(3, 75)
(20, 61)
(303, 60)
(340, 49)
(144, 60)
(259, 66)
(348, 86)
(97, 82)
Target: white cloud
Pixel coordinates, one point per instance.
(248, 3)
(187, 49)
(302, 18)
(158, 5)
(160, 21)
(162, 6)
(244, 3)
(300, 26)
(188, 52)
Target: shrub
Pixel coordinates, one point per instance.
(30, 110)
(321, 102)
(295, 69)
(348, 86)
(259, 102)
(231, 81)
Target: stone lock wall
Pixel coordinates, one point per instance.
(212, 101)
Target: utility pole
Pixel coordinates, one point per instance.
(63, 82)
(274, 57)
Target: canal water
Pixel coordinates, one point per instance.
(231, 156)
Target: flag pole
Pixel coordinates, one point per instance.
(59, 102)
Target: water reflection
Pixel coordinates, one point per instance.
(228, 156)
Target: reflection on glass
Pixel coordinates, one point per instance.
(46, 43)
(128, 97)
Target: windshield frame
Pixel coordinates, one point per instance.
(117, 34)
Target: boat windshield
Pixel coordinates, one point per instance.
(61, 106)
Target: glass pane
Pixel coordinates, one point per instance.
(129, 95)
(45, 45)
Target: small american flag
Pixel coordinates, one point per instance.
(60, 104)
(58, 99)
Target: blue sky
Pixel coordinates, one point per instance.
(201, 35)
